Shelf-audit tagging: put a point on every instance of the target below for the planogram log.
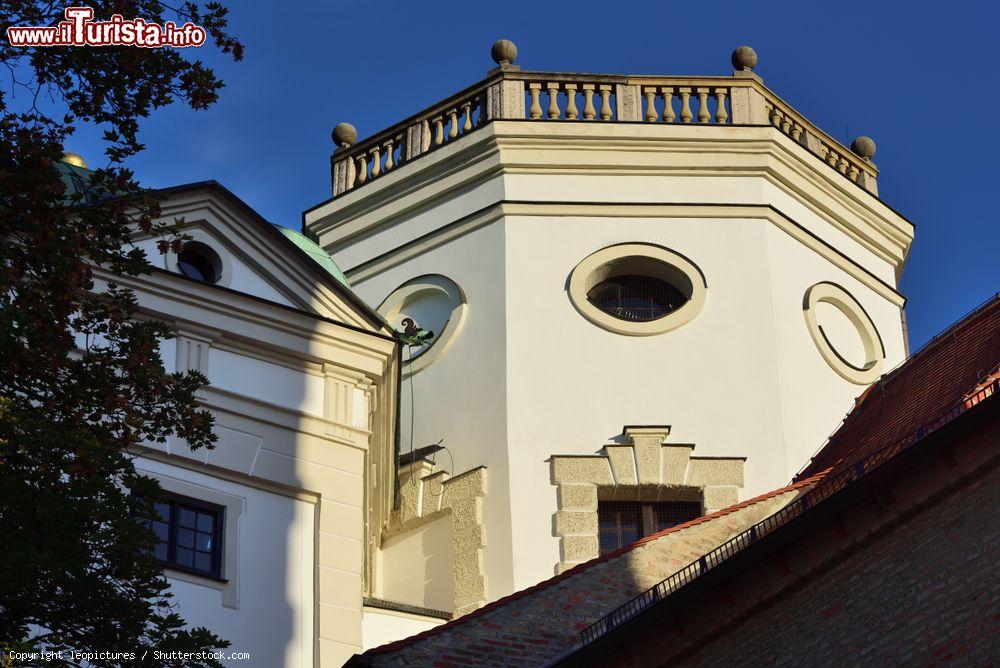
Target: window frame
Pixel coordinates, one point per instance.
(647, 515)
(218, 534)
(583, 276)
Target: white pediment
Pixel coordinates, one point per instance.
(256, 258)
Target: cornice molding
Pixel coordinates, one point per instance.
(260, 325)
(523, 147)
(503, 209)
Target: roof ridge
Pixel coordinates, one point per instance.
(544, 584)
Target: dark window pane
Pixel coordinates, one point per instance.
(160, 551)
(163, 511)
(203, 541)
(185, 557)
(203, 562)
(621, 523)
(196, 265)
(186, 518)
(206, 522)
(672, 513)
(162, 531)
(636, 298)
(185, 538)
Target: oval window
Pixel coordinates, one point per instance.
(637, 289)
(636, 293)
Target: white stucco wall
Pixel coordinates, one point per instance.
(273, 615)
(380, 626)
(237, 274)
(416, 567)
(461, 398)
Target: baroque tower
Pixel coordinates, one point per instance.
(644, 288)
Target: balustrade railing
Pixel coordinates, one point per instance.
(510, 94)
(686, 104)
(354, 165)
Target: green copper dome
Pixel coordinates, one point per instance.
(313, 250)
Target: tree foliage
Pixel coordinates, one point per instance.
(81, 381)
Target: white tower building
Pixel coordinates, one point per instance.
(687, 254)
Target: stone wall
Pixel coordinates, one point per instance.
(642, 468)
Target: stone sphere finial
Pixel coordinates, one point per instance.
(864, 146)
(344, 135)
(744, 58)
(504, 52)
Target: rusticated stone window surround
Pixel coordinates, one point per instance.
(427, 494)
(642, 468)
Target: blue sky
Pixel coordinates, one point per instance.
(921, 82)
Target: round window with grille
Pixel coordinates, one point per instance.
(200, 262)
(637, 289)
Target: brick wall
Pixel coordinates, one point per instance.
(924, 592)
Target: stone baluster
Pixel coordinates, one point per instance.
(703, 114)
(720, 106)
(605, 102)
(553, 90)
(536, 109)
(853, 172)
(376, 161)
(362, 168)
(831, 156)
(390, 148)
(686, 115)
(776, 118)
(588, 102)
(668, 104)
(467, 109)
(438, 130)
(572, 113)
(453, 125)
(650, 95)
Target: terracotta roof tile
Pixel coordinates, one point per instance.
(562, 578)
(930, 382)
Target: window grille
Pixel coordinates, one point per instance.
(636, 298)
(622, 523)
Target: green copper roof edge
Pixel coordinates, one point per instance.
(316, 252)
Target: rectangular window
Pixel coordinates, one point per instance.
(190, 535)
(622, 523)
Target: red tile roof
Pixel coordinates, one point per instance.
(929, 383)
(497, 605)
